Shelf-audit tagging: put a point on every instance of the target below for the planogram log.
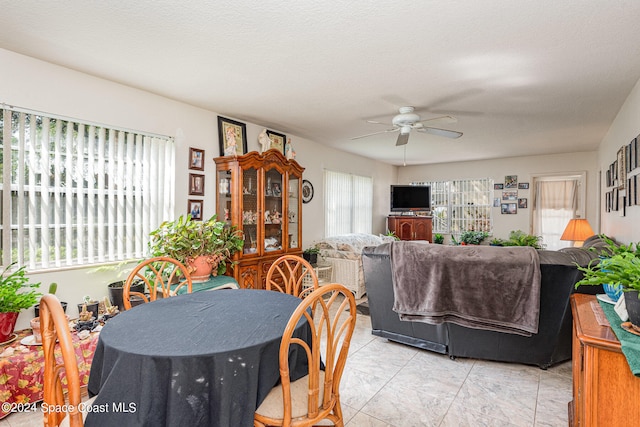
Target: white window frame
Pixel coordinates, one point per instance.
(348, 203)
(460, 205)
(105, 190)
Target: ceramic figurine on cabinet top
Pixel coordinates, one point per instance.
(264, 140)
(291, 155)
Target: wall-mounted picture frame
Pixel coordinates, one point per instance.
(196, 159)
(194, 207)
(622, 168)
(511, 195)
(498, 186)
(278, 140)
(196, 184)
(496, 202)
(232, 136)
(523, 186)
(522, 203)
(508, 208)
(511, 181)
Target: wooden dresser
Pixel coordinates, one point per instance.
(411, 227)
(605, 392)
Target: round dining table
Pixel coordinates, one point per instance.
(201, 359)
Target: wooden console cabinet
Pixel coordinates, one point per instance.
(411, 227)
(605, 392)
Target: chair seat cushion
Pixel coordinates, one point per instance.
(273, 406)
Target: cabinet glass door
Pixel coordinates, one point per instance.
(224, 195)
(250, 210)
(293, 215)
(273, 217)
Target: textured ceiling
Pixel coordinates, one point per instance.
(521, 77)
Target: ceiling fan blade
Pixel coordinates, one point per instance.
(441, 132)
(375, 133)
(374, 122)
(403, 138)
(442, 119)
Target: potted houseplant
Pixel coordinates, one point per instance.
(16, 294)
(620, 270)
(204, 247)
(311, 254)
(53, 287)
(520, 238)
(438, 238)
(496, 242)
(472, 237)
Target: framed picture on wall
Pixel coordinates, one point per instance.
(232, 136)
(510, 195)
(508, 208)
(523, 186)
(511, 181)
(277, 140)
(196, 184)
(622, 168)
(194, 207)
(196, 159)
(522, 203)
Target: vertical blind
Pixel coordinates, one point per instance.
(348, 203)
(77, 193)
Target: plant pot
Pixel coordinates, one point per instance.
(614, 292)
(92, 307)
(201, 268)
(35, 327)
(116, 291)
(311, 258)
(633, 306)
(36, 309)
(7, 324)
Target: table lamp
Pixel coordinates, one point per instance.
(577, 230)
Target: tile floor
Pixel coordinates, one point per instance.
(387, 384)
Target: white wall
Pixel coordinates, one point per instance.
(29, 83)
(524, 168)
(625, 127)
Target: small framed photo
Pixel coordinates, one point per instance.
(275, 189)
(508, 208)
(196, 159)
(232, 136)
(522, 203)
(622, 169)
(511, 181)
(196, 184)
(510, 195)
(496, 202)
(194, 207)
(498, 186)
(278, 140)
(523, 186)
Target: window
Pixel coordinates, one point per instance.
(461, 205)
(348, 203)
(76, 193)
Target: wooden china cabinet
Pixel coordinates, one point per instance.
(260, 194)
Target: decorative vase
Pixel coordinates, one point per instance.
(7, 324)
(614, 292)
(201, 268)
(633, 306)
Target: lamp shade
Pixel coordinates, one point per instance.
(577, 230)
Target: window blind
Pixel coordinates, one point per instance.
(348, 203)
(78, 193)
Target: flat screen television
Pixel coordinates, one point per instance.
(405, 198)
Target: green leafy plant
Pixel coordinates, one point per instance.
(185, 239)
(473, 237)
(496, 242)
(622, 269)
(438, 238)
(311, 250)
(520, 238)
(390, 233)
(16, 291)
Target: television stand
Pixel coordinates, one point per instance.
(410, 227)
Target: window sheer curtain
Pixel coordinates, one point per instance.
(554, 204)
(77, 193)
(348, 203)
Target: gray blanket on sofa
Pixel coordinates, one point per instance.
(482, 287)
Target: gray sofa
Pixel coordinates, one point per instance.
(551, 345)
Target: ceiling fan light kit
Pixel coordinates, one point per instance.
(408, 120)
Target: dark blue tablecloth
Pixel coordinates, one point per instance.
(203, 359)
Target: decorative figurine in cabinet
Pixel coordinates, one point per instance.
(260, 194)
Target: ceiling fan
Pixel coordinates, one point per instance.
(407, 120)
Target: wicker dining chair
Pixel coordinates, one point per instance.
(55, 327)
(159, 276)
(293, 275)
(316, 396)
